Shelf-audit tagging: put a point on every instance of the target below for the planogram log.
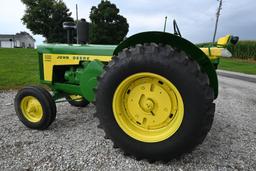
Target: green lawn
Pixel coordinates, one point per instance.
(238, 65)
(18, 67)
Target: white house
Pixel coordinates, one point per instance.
(19, 40)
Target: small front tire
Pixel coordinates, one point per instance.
(77, 101)
(35, 107)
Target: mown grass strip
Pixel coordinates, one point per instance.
(238, 65)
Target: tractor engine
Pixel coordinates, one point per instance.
(73, 75)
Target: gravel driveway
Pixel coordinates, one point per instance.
(74, 142)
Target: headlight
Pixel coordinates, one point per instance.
(226, 53)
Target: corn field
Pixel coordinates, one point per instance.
(243, 50)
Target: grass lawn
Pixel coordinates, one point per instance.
(18, 67)
(238, 65)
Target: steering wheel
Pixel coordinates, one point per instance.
(176, 29)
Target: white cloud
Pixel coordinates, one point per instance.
(195, 18)
(143, 23)
(11, 13)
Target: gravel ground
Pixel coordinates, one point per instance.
(73, 142)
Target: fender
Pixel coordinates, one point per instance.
(175, 41)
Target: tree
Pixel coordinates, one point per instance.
(108, 26)
(45, 17)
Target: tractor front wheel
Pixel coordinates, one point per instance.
(35, 107)
(154, 102)
(77, 101)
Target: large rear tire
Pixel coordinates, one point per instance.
(154, 102)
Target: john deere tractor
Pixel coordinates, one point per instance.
(153, 92)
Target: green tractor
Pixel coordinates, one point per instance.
(153, 92)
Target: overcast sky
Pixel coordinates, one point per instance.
(196, 18)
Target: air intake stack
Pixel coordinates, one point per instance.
(70, 27)
(82, 31)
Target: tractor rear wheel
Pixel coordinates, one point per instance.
(77, 101)
(154, 102)
(35, 107)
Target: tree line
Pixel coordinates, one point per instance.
(45, 17)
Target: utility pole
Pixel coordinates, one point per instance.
(217, 20)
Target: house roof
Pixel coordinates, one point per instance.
(17, 35)
(23, 33)
(7, 35)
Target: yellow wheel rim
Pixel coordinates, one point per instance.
(76, 98)
(31, 108)
(148, 107)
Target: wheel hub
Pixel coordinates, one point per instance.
(31, 109)
(148, 107)
(76, 98)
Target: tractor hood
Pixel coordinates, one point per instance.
(89, 49)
